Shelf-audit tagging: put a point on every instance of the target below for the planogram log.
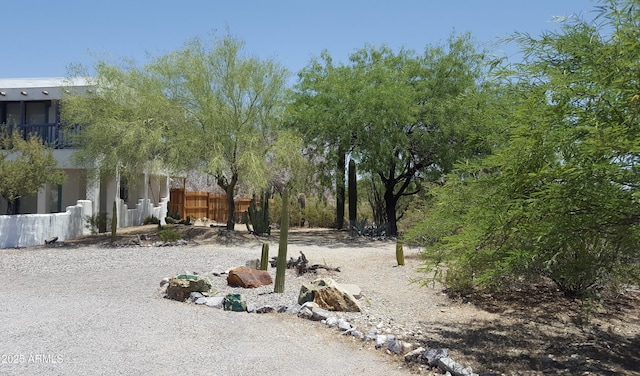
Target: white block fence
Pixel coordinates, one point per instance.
(24, 230)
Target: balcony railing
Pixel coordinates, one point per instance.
(52, 134)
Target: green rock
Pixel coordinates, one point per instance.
(181, 286)
(188, 276)
(235, 303)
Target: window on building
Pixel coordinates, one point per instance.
(13, 113)
(37, 113)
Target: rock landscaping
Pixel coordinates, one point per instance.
(319, 301)
(532, 330)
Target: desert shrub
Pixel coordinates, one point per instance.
(169, 234)
(97, 223)
(316, 212)
(173, 215)
(320, 213)
(152, 220)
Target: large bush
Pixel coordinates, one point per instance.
(559, 199)
(316, 212)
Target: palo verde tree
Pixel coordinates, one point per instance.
(205, 106)
(399, 115)
(25, 167)
(119, 126)
(321, 110)
(230, 103)
(559, 199)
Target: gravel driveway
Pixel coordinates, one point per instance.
(92, 310)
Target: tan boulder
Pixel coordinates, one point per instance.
(328, 295)
(248, 277)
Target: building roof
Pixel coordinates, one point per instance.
(41, 82)
(38, 89)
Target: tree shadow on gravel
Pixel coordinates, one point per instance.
(540, 331)
(199, 235)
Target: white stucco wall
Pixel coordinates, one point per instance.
(25, 230)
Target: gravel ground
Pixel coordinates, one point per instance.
(87, 308)
(92, 310)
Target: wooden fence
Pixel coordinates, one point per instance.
(198, 205)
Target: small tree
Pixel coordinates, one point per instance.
(25, 167)
(231, 104)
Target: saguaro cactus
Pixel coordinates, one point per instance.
(259, 216)
(264, 258)
(281, 266)
(353, 195)
(399, 253)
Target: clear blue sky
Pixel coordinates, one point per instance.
(42, 37)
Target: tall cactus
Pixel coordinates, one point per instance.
(353, 195)
(399, 253)
(259, 216)
(281, 266)
(264, 258)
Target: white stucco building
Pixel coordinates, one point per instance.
(32, 106)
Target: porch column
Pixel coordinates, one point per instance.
(41, 203)
(119, 203)
(146, 187)
(93, 194)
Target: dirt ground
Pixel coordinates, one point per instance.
(532, 331)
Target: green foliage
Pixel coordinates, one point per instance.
(169, 234)
(232, 104)
(206, 106)
(152, 220)
(123, 119)
(316, 212)
(319, 214)
(25, 167)
(559, 199)
(97, 223)
(405, 118)
(259, 222)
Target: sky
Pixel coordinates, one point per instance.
(41, 38)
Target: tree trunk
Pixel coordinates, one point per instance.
(281, 266)
(376, 201)
(353, 195)
(229, 188)
(340, 190)
(11, 207)
(231, 210)
(390, 206)
(114, 222)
